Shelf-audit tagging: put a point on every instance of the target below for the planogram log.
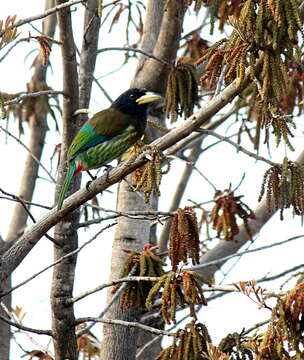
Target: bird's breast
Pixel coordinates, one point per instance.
(103, 153)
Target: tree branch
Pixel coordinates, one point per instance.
(30, 152)
(114, 282)
(25, 328)
(237, 146)
(241, 253)
(48, 12)
(140, 51)
(124, 323)
(66, 256)
(13, 257)
(33, 94)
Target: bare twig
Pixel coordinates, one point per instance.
(72, 253)
(12, 47)
(20, 201)
(109, 304)
(27, 202)
(124, 323)
(25, 328)
(34, 94)
(134, 50)
(30, 152)
(114, 282)
(225, 258)
(256, 326)
(237, 146)
(47, 13)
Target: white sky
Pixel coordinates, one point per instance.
(224, 166)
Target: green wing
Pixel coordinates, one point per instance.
(102, 127)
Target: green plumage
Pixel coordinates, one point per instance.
(108, 134)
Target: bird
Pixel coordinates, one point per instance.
(108, 134)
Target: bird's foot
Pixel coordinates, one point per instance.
(89, 182)
(55, 242)
(88, 185)
(91, 176)
(107, 170)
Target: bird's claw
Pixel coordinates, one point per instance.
(107, 170)
(88, 185)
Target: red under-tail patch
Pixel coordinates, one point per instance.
(78, 168)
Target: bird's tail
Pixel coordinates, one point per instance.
(66, 184)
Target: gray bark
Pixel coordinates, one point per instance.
(161, 37)
(38, 129)
(66, 231)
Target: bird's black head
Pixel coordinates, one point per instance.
(134, 102)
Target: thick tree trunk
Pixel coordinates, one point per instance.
(66, 231)
(161, 38)
(38, 129)
(63, 318)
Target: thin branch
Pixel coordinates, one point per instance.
(134, 50)
(205, 178)
(222, 288)
(203, 24)
(220, 82)
(256, 326)
(12, 47)
(190, 140)
(139, 215)
(47, 13)
(25, 208)
(72, 253)
(109, 304)
(20, 201)
(281, 274)
(26, 202)
(14, 321)
(237, 146)
(124, 323)
(25, 328)
(225, 258)
(29, 151)
(114, 282)
(261, 280)
(34, 94)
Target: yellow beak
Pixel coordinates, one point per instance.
(147, 98)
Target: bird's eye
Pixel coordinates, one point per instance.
(132, 96)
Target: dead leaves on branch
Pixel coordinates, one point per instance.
(265, 42)
(45, 46)
(235, 346)
(31, 106)
(88, 345)
(283, 339)
(7, 30)
(182, 90)
(145, 263)
(148, 177)
(178, 290)
(192, 342)
(225, 212)
(284, 187)
(134, 11)
(195, 46)
(184, 238)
